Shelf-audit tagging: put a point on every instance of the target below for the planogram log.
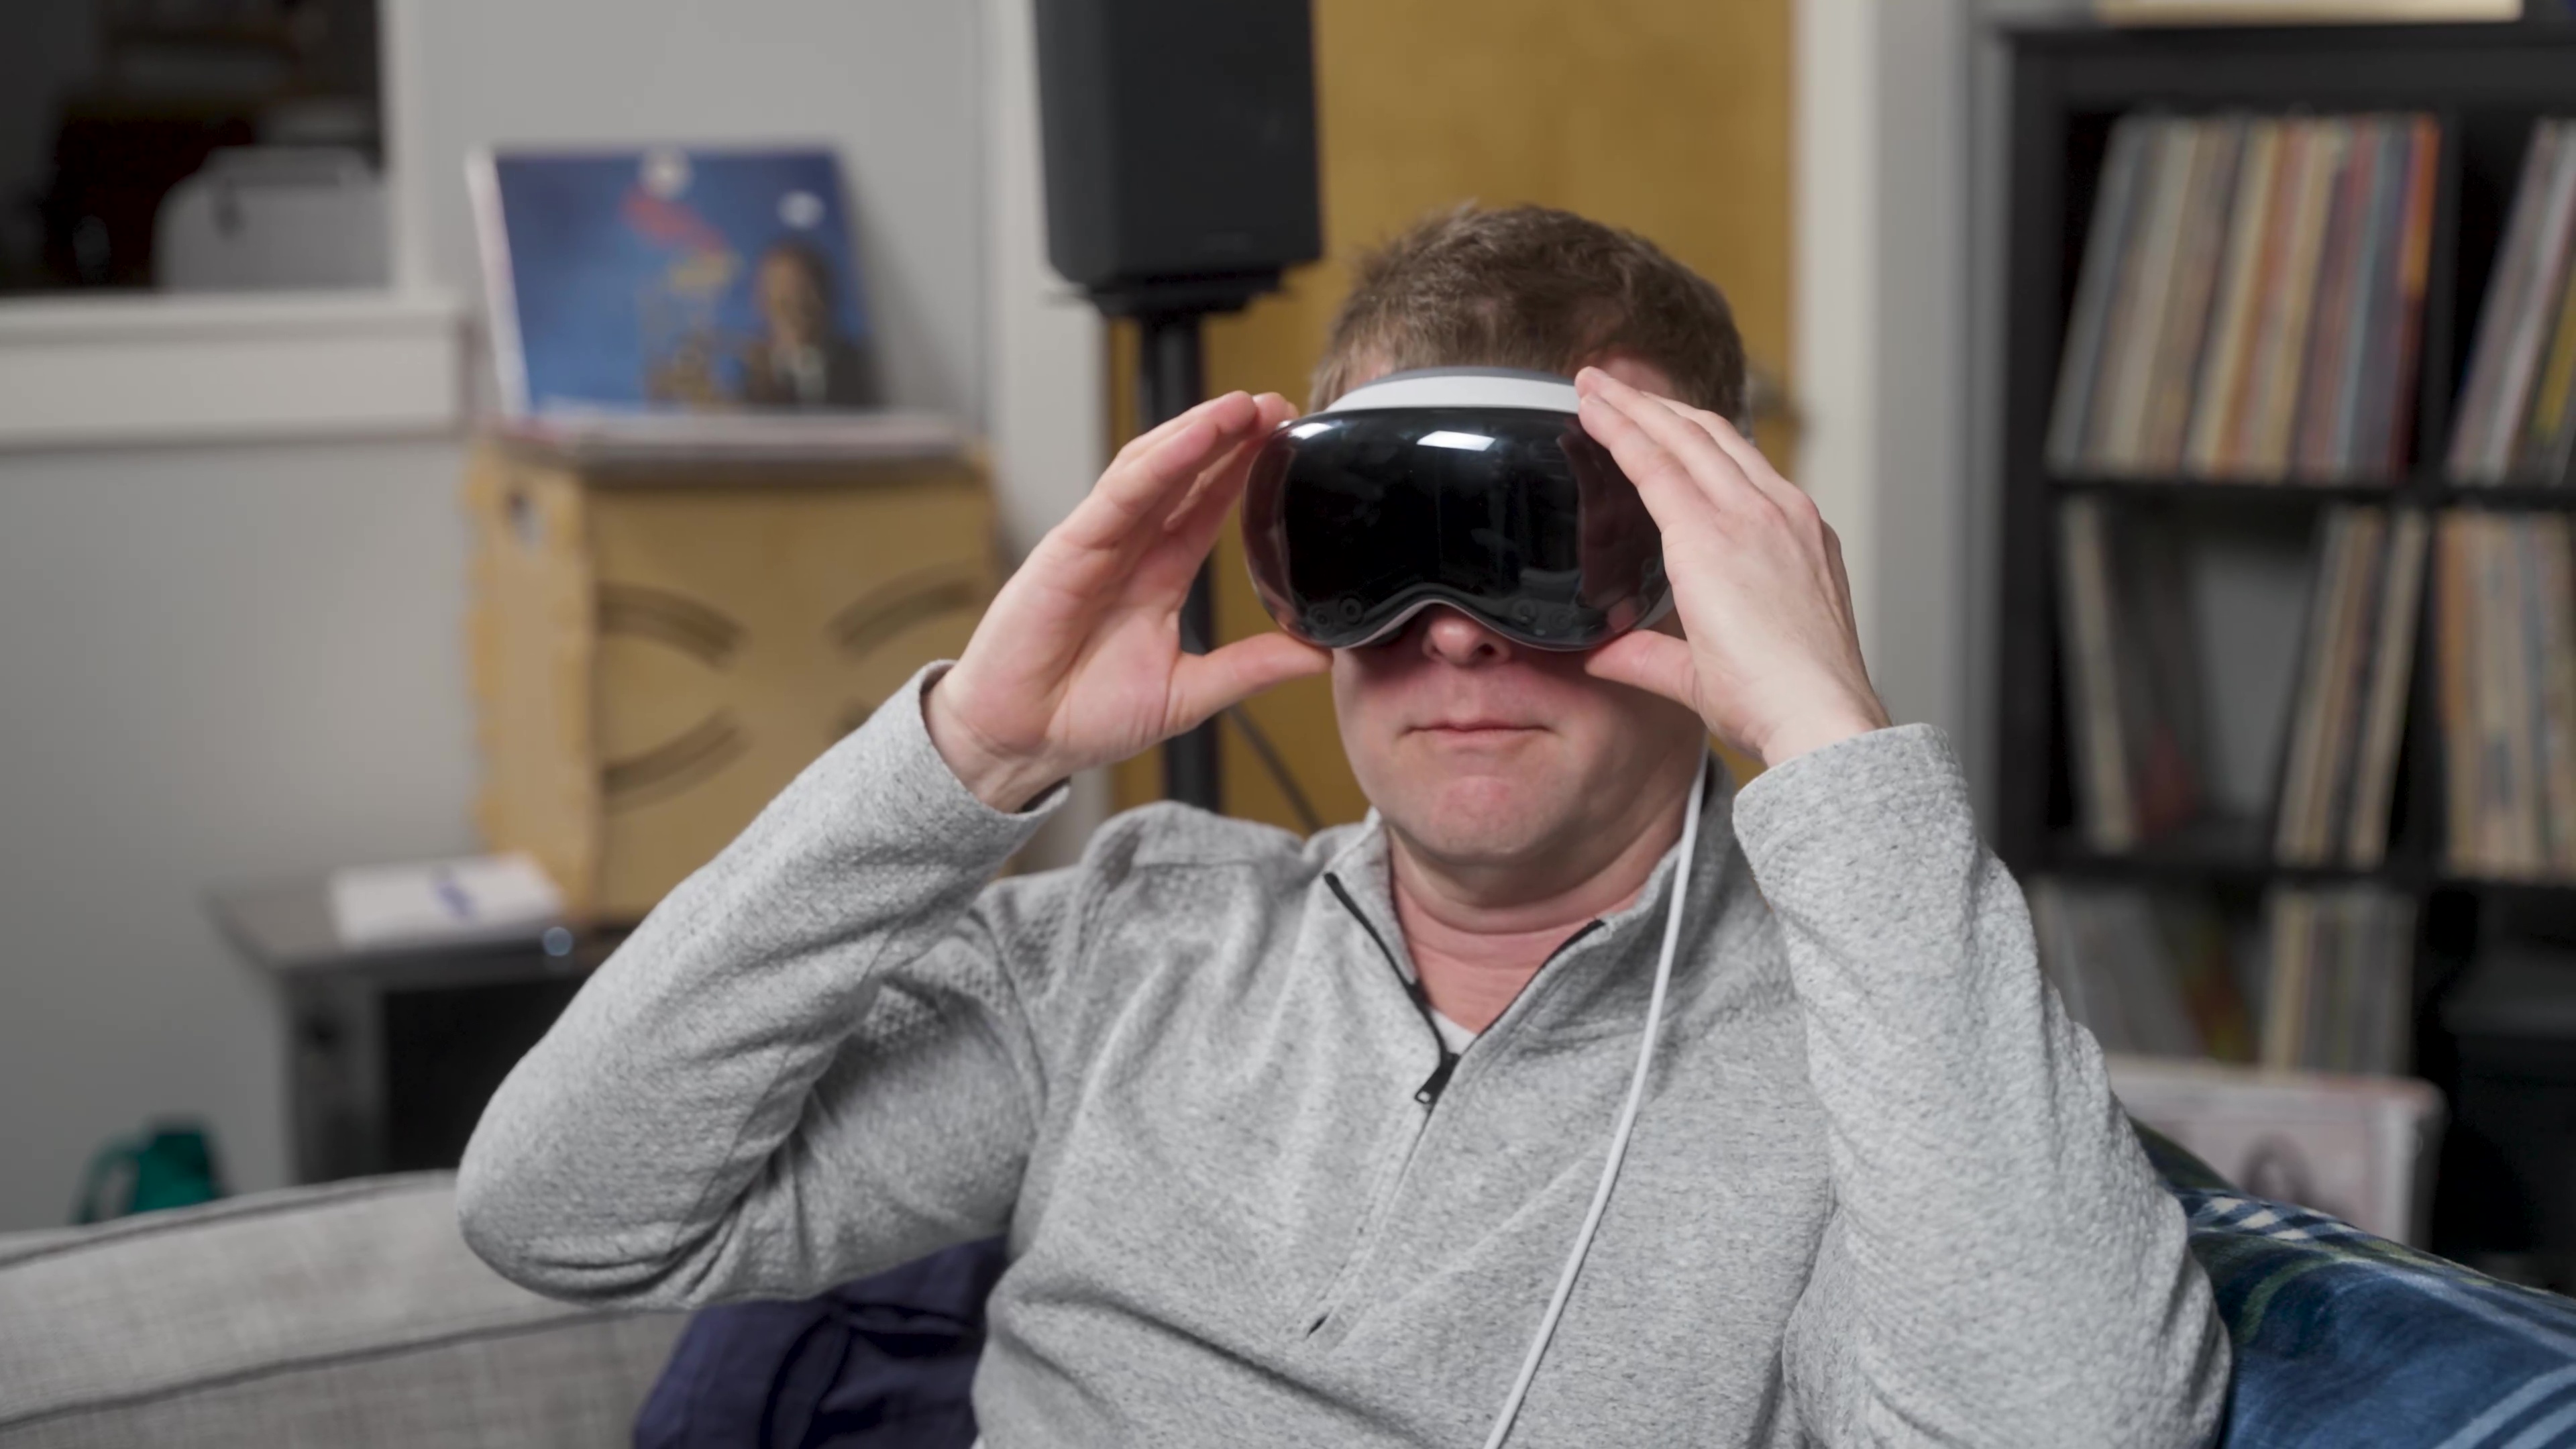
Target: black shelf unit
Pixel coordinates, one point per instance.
(2069, 83)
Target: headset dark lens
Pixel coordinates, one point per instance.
(1354, 521)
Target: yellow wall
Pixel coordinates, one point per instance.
(1670, 117)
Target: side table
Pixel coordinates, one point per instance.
(392, 1051)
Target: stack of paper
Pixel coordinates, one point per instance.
(443, 902)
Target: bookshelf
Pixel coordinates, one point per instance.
(2485, 85)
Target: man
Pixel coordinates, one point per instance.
(801, 359)
(1878, 1192)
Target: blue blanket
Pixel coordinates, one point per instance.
(2347, 1340)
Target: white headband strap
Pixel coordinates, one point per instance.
(1460, 389)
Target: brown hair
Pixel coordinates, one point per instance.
(1530, 286)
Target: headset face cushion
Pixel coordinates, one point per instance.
(1354, 520)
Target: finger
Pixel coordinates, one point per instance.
(1663, 480)
(1230, 469)
(1189, 534)
(1109, 540)
(1174, 460)
(1145, 442)
(1202, 684)
(1144, 483)
(1750, 459)
(1711, 470)
(1842, 576)
(1644, 659)
(1192, 533)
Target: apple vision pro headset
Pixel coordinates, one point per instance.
(1471, 487)
(1476, 488)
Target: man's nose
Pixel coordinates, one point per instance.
(1453, 638)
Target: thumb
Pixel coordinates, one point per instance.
(1202, 684)
(1644, 659)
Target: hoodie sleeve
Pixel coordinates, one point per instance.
(2002, 1265)
(807, 1064)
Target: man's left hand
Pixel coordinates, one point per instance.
(1771, 656)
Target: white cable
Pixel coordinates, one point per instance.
(1627, 1122)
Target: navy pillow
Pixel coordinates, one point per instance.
(883, 1363)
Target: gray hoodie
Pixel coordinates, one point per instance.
(1879, 1191)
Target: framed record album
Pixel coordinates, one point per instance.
(672, 280)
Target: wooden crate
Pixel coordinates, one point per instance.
(656, 653)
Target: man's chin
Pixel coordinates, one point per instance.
(1479, 817)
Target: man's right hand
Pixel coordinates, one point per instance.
(1078, 662)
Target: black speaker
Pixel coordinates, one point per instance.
(1180, 147)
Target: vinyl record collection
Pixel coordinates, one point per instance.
(2248, 309)
(2146, 972)
(2283, 741)
(2133, 675)
(2338, 983)
(2505, 623)
(2517, 421)
(2340, 775)
(2156, 973)
(2250, 300)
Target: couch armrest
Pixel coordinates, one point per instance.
(347, 1313)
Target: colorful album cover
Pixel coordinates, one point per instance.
(672, 280)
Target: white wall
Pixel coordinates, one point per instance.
(229, 663)
(216, 666)
(1045, 396)
(1884, 358)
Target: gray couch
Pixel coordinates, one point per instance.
(346, 1314)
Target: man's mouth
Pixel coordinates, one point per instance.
(1471, 728)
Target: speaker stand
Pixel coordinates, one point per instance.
(1170, 378)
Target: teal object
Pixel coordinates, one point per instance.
(166, 1165)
